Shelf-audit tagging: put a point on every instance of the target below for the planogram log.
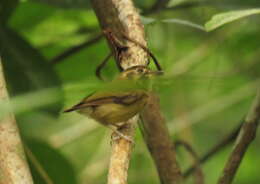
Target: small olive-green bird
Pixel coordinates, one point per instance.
(119, 100)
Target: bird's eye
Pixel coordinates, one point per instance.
(140, 70)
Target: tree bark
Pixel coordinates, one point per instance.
(13, 164)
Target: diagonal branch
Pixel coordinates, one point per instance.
(75, 49)
(199, 176)
(244, 139)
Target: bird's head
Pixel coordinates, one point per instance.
(138, 72)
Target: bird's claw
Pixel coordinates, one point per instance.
(119, 135)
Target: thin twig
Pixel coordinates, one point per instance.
(156, 7)
(13, 163)
(199, 177)
(76, 49)
(102, 65)
(244, 139)
(38, 166)
(215, 149)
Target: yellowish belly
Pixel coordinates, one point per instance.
(113, 114)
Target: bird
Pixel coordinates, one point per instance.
(119, 100)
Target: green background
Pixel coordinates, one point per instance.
(208, 87)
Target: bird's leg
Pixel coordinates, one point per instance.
(118, 46)
(157, 64)
(101, 66)
(120, 134)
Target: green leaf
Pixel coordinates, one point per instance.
(26, 70)
(53, 163)
(80, 4)
(147, 20)
(224, 18)
(184, 22)
(6, 9)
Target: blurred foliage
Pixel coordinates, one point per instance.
(67, 4)
(59, 169)
(209, 83)
(6, 9)
(29, 66)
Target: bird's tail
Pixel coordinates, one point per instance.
(74, 108)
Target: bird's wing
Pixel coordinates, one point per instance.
(97, 99)
(130, 98)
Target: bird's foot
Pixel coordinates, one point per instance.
(120, 135)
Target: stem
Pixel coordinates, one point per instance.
(13, 164)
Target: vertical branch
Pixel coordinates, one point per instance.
(120, 16)
(120, 157)
(13, 165)
(244, 139)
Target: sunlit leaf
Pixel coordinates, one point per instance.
(26, 69)
(224, 18)
(148, 20)
(184, 22)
